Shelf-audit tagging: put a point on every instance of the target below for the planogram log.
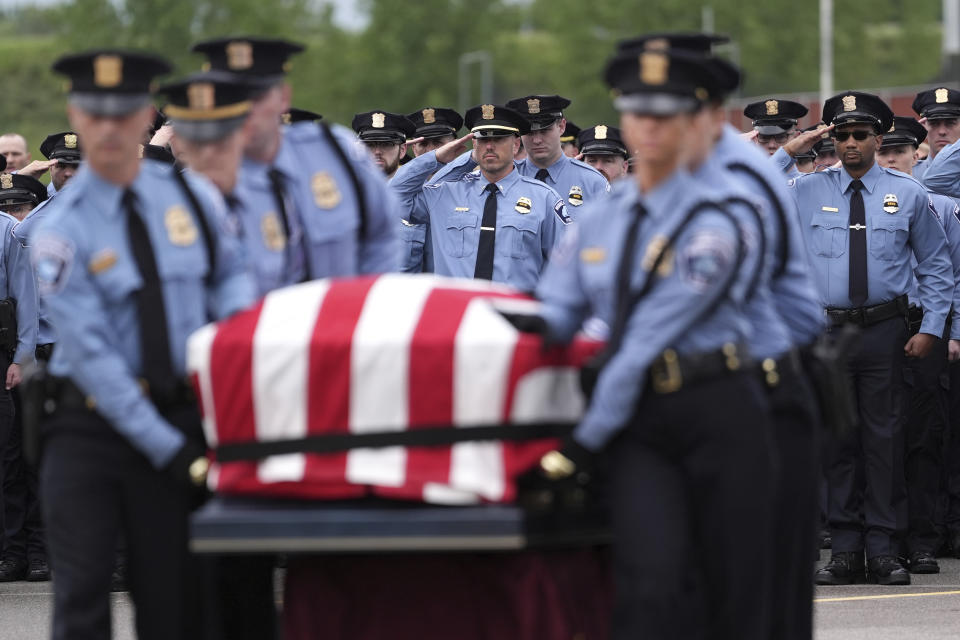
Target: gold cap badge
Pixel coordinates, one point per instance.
(600, 132)
(378, 120)
(533, 105)
(285, 118)
(487, 111)
(70, 141)
(107, 71)
(200, 95)
(239, 55)
(6, 181)
(325, 191)
(849, 103)
(942, 95)
(773, 107)
(654, 67)
(429, 116)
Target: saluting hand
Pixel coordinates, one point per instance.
(37, 168)
(750, 136)
(452, 150)
(919, 345)
(14, 376)
(805, 141)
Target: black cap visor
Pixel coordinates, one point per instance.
(434, 131)
(773, 128)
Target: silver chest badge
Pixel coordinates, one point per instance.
(890, 203)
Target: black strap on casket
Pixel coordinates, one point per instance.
(419, 437)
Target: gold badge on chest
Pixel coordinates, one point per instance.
(325, 191)
(273, 237)
(181, 230)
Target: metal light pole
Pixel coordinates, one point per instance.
(485, 60)
(826, 50)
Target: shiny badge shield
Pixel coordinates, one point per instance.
(533, 106)
(107, 71)
(429, 116)
(6, 181)
(200, 96)
(273, 238)
(849, 103)
(890, 203)
(325, 191)
(600, 132)
(575, 197)
(941, 95)
(487, 111)
(773, 107)
(524, 205)
(378, 120)
(70, 141)
(239, 55)
(180, 228)
(654, 68)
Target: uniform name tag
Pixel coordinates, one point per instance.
(833, 209)
(102, 261)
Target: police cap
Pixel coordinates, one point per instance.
(300, 115)
(492, 120)
(937, 104)
(63, 147)
(540, 111)
(601, 140)
(110, 82)
(905, 130)
(265, 59)
(18, 189)
(570, 133)
(382, 126)
(856, 107)
(435, 122)
(660, 82)
(772, 117)
(207, 105)
(693, 42)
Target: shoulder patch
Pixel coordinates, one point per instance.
(561, 212)
(52, 258)
(705, 258)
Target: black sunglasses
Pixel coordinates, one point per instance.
(859, 135)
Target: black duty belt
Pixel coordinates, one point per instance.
(866, 316)
(671, 371)
(774, 372)
(67, 396)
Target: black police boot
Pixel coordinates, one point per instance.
(825, 539)
(923, 562)
(955, 544)
(12, 570)
(886, 570)
(845, 567)
(38, 570)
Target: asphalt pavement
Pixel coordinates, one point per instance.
(928, 609)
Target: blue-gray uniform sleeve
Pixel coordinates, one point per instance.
(86, 343)
(951, 225)
(380, 247)
(456, 169)
(22, 287)
(943, 171)
(704, 260)
(407, 185)
(784, 162)
(565, 301)
(934, 272)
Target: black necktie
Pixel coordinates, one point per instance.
(624, 291)
(294, 245)
(858, 246)
(157, 364)
(542, 175)
(488, 234)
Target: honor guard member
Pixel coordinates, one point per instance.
(294, 115)
(862, 223)
(494, 224)
(775, 121)
(13, 147)
(603, 149)
(826, 152)
(65, 149)
(435, 127)
(22, 550)
(308, 190)
(806, 161)
(575, 181)
(928, 400)
(385, 136)
(568, 140)
(128, 265)
(674, 405)
(940, 109)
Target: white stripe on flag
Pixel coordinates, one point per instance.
(380, 372)
(548, 394)
(281, 365)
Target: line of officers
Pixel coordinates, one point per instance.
(713, 273)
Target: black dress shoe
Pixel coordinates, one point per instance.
(12, 570)
(38, 570)
(843, 568)
(886, 570)
(825, 539)
(923, 562)
(118, 579)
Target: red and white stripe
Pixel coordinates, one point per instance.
(378, 354)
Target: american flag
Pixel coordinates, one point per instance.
(381, 354)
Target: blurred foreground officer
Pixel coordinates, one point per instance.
(494, 224)
(129, 266)
(603, 149)
(65, 149)
(862, 223)
(675, 405)
(775, 121)
(308, 190)
(385, 137)
(575, 181)
(939, 111)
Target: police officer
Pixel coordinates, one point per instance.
(385, 135)
(574, 180)
(806, 161)
(23, 556)
(65, 149)
(129, 266)
(493, 224)
(862, 222)
(294, 115)
(683, 422)
(568, 140)
(775, 121)
(602, 148)
(939, 111)
(826, 152)
(307, 190)
(928, 405)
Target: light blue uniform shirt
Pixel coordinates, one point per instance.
(575, 181)
(941, 174)
(908, 225)
(17, 282)
(323, 212)
(46, 333)
(528, 216)
(948, 214)
(686, 309)
(919, 170)
(88, 278)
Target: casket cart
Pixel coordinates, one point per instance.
(372, 429)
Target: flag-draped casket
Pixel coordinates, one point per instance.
(328, 362)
